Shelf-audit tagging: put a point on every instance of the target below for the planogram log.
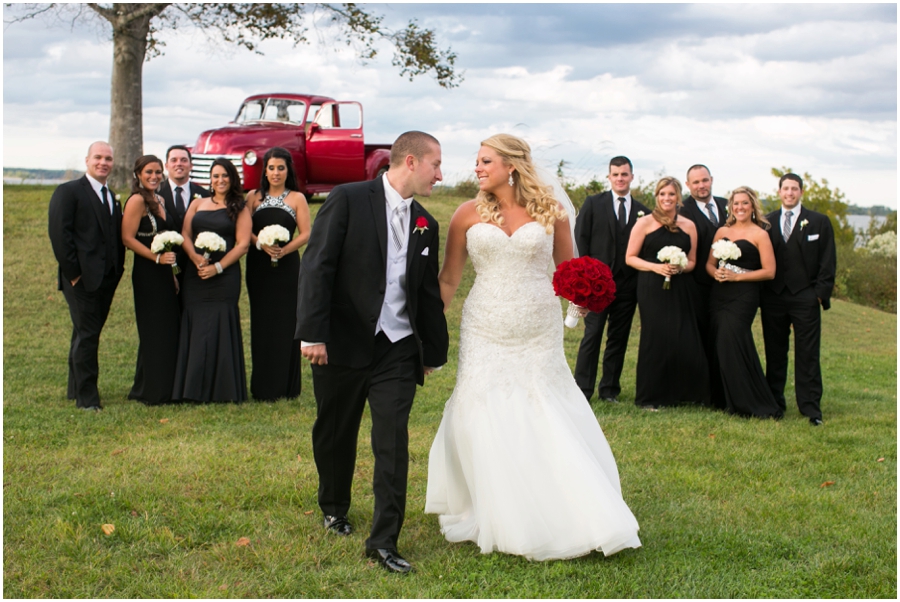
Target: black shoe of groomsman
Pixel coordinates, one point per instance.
(390, 559)
(338, 524)
(816, 421)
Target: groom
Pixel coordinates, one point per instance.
(371, 322)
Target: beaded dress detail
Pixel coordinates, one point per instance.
(520, 464)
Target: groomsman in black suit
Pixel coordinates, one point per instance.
(805, 262)
(371, 322)
(708, 213)
(178, 190)
(85, 222)
(602, 229)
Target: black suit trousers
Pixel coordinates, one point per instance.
(89, 310)
(779, 313)
(389, 383)
(619, 316)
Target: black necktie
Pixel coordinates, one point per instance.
(623, 222)
(179, 202)
(105, 200)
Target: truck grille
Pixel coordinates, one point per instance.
(203, 163)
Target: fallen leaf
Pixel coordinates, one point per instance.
(50, 298)
(108, 529)
(827, 484)
(308, 512)
(163, 420)
(880, 460)
(119, 451)
(134, 513)
(299, 459)
(223, 587)
(243, 541)
(711, 436)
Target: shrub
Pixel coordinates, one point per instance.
(867, 278)
(884, 244)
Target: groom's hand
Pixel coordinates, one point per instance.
(316, 354)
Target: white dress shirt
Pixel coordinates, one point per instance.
(795, 213)
(98, 188)
(627, 197)
(394, 318)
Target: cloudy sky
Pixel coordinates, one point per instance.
(742, 88)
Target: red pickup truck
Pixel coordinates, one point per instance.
(324, 136)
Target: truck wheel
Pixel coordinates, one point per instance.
(381, 172)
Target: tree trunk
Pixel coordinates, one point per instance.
(126, 119)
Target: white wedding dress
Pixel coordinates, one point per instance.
(519, 463)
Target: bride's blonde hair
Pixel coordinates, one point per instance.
(529, 191)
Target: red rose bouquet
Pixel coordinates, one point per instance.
(584, 282)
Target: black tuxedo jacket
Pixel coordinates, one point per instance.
(808, 258)
(597, 232)
(166, 192)
(85, 240)
(706, 232)
(342, 279)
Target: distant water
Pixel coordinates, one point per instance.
(861, 222)
(44, 181)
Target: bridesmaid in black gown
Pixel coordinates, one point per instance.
(733, 303)
(672, 367)
(156, 309)
(273, 290)
(210, 363)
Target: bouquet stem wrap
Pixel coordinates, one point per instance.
(586, 283)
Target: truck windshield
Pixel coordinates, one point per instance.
(272, 109)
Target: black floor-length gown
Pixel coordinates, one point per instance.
(158, 316)
(732, 307)
(671, 367)
(210, 352)
(273, 309)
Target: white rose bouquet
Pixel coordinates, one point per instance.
(724, 250)
(209, 242)
(673, 256)
(271, 236)
(164, 242)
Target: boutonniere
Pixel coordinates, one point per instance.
(640, 214)
(117, 197)
(803, 224)
(421, 224)
(196, 196)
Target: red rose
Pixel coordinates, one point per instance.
(421, 224)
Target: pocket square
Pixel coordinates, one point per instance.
(812, 237)
(425, 252)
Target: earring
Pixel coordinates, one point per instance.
(511, 181)
(753, 215)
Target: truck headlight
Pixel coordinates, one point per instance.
(250, 158)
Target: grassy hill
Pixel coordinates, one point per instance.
(728, 507)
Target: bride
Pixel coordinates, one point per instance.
(519, 463)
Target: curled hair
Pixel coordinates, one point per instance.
(756, 215)
(667, 222)
(149, 196)
(234, 198)
(290, 182)
(529, 191)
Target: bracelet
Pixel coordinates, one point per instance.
(218, 268)
(157, 258)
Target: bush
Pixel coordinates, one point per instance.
(883, 244)
(866, 277)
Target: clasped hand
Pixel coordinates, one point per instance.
(274, 251)
(167, 258)
(667, 269)
(723, 275)
(206, 270)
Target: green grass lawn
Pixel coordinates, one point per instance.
(728, 507)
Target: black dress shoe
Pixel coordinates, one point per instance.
(816, 421)
(610, 399)
(338, 524)
(91, 408)
(390, 559)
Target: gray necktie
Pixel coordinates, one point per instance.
(786, 228)
(709, 210)
(398, 225)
